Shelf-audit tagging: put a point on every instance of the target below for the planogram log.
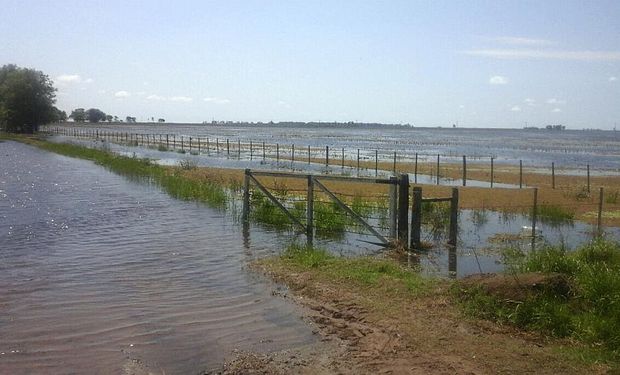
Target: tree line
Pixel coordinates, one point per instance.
(28, 98)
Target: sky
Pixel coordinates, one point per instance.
(505, 64)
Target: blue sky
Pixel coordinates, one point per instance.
(435, 63)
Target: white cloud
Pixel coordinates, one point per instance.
(556, 101)
(498, 80)
(122, 94)
(184, 99)
(529, 101)
(520, 41)
(613, 79)
(89, 80)
(516, 108)
(155, 97)
(556, 110)
(215, 100)
(520, 54)
(69, 78)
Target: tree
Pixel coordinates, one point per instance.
(95, 115)
(78, 115)
(108, 118)
(161, 120)
(59, 116)
(27, 98)
(130, 119)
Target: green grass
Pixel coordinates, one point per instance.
(174, 183)
(555, 215)
(366, 272)
(590, 313)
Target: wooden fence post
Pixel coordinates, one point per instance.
(415, 169)
(358, 160)
(454, 214)
(246, 195)
(310, 212)
(403, 209)
(251, 150)
(217, 145)
(492, 171)
(309, 154)
(326, 155)
(376, 162)
(552, 175)
(437, 169)
(464, 171)
(190, 144)
(520, 174)
(394, 164)
(416, 218)
(588, 172)
(263, 150)
(292, 154)
(342, 159)
(599, 218)
(534, 217)
(393, 209)
(227, 147)
(277, 152)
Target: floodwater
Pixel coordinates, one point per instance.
(570, 149)
(99, 274)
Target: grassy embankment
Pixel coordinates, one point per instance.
(584, 306)
(574, 331)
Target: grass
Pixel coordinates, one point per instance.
(589, 313)
(554, 215)
(365, 272)
(170, 179)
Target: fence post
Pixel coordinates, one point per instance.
(217, 145)
(534, 216)
(326, 155)
(246, 195)
(464, 171)
(310, 211)
(394, 164)
(174, 141)
(227, 147)
(292, 154)
(588, 172)
(342, 159)
(599, 219)
(308, 154)
(263, 150)
(492, 171)
(182, 145)
(552, 175)
(403, 209)
(454, 214)
(437, 169)
(376, 162)
(190, 144)
(238, 149)
(415, 169)
(416, 217)
(277, 152)
(208, 146)
(520, 174)
(393, 206)
(358, 160)
(251, 149)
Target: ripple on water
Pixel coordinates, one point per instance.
(95, 269)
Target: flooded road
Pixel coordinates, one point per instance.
(99, 275)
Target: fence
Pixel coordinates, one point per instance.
(425, 168)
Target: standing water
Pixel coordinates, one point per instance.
(100, 275)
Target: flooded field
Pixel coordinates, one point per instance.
(573, 149)
(102, 275)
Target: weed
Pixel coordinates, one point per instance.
(612, 197)
(161, 147)
(188, 164)
(555, 215)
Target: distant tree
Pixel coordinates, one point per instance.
(108, 118)
(130, 119)
(78, 115)
(115, 118)
(161, 120)
(27, 98)
(95, 115)
(59, 116)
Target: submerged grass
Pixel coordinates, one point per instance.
(588, 313)
(170, 180)
(555, 215)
